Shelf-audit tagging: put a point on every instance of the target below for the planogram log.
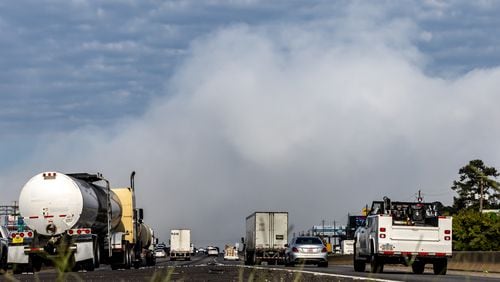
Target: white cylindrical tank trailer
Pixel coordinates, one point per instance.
(71, 211)
(53, 202)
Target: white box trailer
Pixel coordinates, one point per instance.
(180, 244)
(266, 237)
(231, 252)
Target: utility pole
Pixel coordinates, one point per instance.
(323, 228)
(481, 195)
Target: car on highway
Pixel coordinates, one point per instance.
(306, 250)
(160, 253)
(212, 251)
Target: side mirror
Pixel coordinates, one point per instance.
(242, 240)
(286, 246)
(141, 214)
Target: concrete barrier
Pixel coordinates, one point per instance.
(469, 261)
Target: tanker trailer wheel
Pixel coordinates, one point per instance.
(17, 268)
(97, 254)
(128, 256)
(37, 264)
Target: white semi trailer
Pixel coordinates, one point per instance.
(180, 244)
(266, 237)
(76, 224)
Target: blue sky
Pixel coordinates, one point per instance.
(251, 103)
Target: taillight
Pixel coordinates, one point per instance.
(87, 231)
(79, 231)
(13, 235)
(30, 234)
(447, 232)
(447, 238)
(382, 229)
(21, 234)
(70, 232)
(382, 236)
(295, 250)
(324, 250)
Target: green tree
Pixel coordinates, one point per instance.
(475, 231)
(477, 189)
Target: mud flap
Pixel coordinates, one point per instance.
(16, 255)
(84, 251)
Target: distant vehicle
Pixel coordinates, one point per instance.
(306, 250)
(4, 243)
(231, 253)
(212, 251)
(201, 250)
(347, 247)
(160, 253)
(410, 233)
(266, 237)
(180, 244)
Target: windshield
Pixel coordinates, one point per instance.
(309, 241)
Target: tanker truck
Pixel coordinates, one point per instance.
(76, 224)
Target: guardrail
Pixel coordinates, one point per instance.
(469, 261)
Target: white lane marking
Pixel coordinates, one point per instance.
(324, 274)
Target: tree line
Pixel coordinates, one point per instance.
(475, 209)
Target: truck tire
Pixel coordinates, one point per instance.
(17, 268)
(3, 260)
(418, 267)
(440, 266)
(359, 265)
(97, 254)
(249, 258)
(128, 257)
(323, 264)
(376, 264)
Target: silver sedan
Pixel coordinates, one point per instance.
(306, 250)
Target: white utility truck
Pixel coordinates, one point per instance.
(180, 244)
(410, 233)
(266, 237)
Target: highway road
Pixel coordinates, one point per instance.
(204, 268)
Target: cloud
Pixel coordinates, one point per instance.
(316, 117)
(317, 123)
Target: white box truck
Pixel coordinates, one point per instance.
(180, 244)
(266, 237)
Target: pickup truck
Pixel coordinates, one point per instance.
(409, 233)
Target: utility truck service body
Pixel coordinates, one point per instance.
(180, 244)
(76, 224)
(410, 233)
(266, 237)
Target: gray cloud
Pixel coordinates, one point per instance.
(317, 116)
